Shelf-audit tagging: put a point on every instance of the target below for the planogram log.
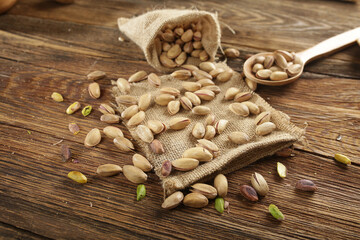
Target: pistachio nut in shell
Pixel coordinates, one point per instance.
(154, 80)
(239, 137)
(199, 153)
(185, 164)
(107, 170)
(198, 130)
(123, 85)
(106, 109)
(123, 144)
(195, 200)
(231, 93)
(110, 118)
(239, 109)
(205, 189)
(113, 132)
(179, 123)
(212, 147)
(93, 138)
(210, 132)
(126, 100)
(221, 185)
(181, 74)
(156, 126)
(94, 90)
(134, 174)
(186, 103)
(170, 90)
(207, 66)
(201, 110)
(262, 118)
(210, 120)
(259, 184)
(144, 101)
(138, 76)
(253, 108)
(194, 99)
(141, 162)
(242, 96)
(136, 119)
(144, 133)
(164, 99)
(221, 125)
(129, 112)
(205, 94)
(191, 86)
(96, 75)
(265, 128)
(173, 200)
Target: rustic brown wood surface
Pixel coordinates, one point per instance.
(46, 47)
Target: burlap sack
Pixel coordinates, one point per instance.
(232, 156)
(144, 29)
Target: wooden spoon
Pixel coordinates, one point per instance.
(325, 47)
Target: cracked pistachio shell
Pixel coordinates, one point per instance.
(259, 184)
(181, 74)
(185, 164)
(205, 94)
(179, 123)
(107, 170)
(205, 189)
(106, 109)
(93, 138)
(239, 109)
(96, 75)
(170, 90)
(136, 119)
(113, 132)
(134, 174)
(221, 185)
(199, 153)
(144, 133)
(221, 125)
(200, 74)
(243, 96)
(129, 112)
(195, 200)
(262, 118)
(253, 108)
(173, 200)
(186, 103)
(154, 80)
(210, 132)
(164, 99)
(191, 86)
(126, 100)
(141, 162)
(212, 147)
(123, 144)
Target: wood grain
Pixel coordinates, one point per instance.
(48, 47)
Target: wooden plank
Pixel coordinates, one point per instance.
(11, 232)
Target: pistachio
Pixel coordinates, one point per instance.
(73, 108)
(188, 48)
(221, 125)
(342, 158)
(179, 123)
(144, 133)
(126, 100)
(205, 94)
(123, 85)
(141, 162)
(280, 60)
(275, 68)
(201, 110)
(113, 132)
(281, 169)
(96, 75)
(74, 128)
(257, 67)
(306, 185)
(167, 62)
(206, 82)
(94, 90)
(194, 99)
(259, 184)
(288, 56)
(200, 74)
(249, 193)
(210, 120)
(166, 47)
(154, 80)
(243, 96)
(168, 36)
(221, 185)
(269, 61)
(204, 56)
(262, 118)
(231, 93)
(106, 109)
(136, 119)
(219, 204)
(297, 59)
(138, 76)
(144, 101)
(179, 31)
(275, 212)
(251, 84)
(130, 111)
(164, 99)
(253, 108)
(108, 170)
(214, 73)
(173, 107)
(156, 126)
(140, 192)
(198, 45)
(205, 189)
(92, 138)
(197, 36)
(57, 97)
(181, 74)
(190, 67)
(186, 103)
(191, 86)
(238, 137)
(285, 152)
(195, 200)
(208, 145)
(225, 76)
(265, 128)
(110, 118)
(260, 59)
(124, 144)
(65, 153)
(210, 132)
(293, 70)
(240, 109)
(199, 153)
(158, 47)
(173, 200)
(134, 174)
(166, 168)
(187, 36)
(170, 90)
(181, 59)
(196, 53)
(157, 147)
(185, 164)
(263, 74)
(198, 131)
(232, 53)
(207, 66)
(77, 177)
(174, 51)
(278, 75)
(214, 88)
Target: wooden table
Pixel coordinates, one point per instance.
(46, 47)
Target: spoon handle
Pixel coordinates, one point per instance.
(330, 45)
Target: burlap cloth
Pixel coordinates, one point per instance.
(144, 29)
(232, 156)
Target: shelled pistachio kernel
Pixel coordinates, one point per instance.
(73, 108)
(86, 110)
(140, 192)
(342, 158)
(77, 177)
(57, 97)
(219, 204)
(275, 212)
(74, 128)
